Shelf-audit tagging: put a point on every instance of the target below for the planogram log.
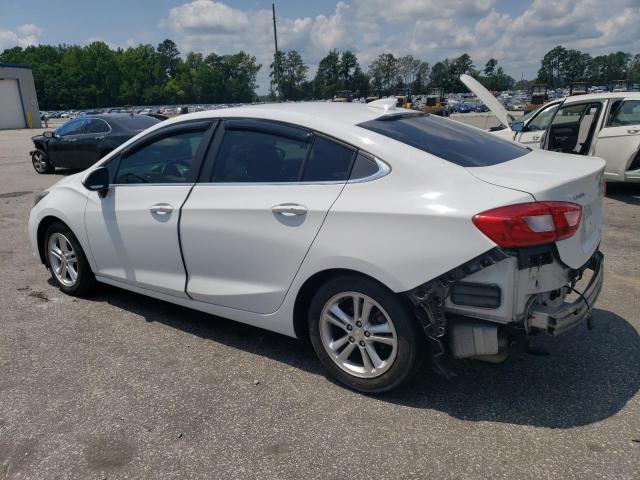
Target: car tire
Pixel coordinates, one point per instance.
(390, 329)
(67, 261)
(40, 162)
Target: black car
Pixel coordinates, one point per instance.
(83, 141)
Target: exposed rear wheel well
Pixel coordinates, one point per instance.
(42, 229)
(309, 288)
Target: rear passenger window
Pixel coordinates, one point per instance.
(258, 157)
(328, 161)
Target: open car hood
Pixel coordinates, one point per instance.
(488, 99)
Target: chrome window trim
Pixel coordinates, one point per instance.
(142, 184)
(383, 170)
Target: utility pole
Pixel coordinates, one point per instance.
(276, 62)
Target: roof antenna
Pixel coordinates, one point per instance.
(385, 104)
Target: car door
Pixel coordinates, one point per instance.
(62, 148)
(133, 230)
(573, 127)
(89, 144)
(534, 129)
(619, 141)
(262, 198)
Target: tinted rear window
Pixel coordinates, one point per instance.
(449, 140)
(135, 122)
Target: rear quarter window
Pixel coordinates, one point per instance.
(447, 139)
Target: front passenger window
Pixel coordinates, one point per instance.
(541, 122)
(166, 160)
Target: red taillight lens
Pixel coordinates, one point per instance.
(528, 224)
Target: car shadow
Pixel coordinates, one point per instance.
(588, 376)
(624, 192)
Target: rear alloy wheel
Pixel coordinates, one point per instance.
(364, 335)
(358, 335)
(41, 163)
(67, 262)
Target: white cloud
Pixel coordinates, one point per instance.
(428, 29)
(25, 35)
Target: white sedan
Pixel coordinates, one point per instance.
(380, 233)
(605, 125)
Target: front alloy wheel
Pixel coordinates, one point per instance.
(66, 261)
(63, 259)
(358, 335)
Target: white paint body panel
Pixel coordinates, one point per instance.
(238, 252)
(131, 244)
(619, 146)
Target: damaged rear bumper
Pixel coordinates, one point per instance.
(557, 319)
(478, 308)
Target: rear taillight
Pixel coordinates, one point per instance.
(527, 224)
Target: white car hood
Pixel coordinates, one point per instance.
(488, 99)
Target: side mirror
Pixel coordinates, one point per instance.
(48, 135)
(517, 126)
(98, 181)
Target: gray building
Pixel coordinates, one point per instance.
(18, 99)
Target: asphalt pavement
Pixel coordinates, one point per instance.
(118, 385)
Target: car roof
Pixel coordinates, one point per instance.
(602, 96)
(306, 114)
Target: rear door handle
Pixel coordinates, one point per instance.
(633, 130)
(536, 137)
(289, 209)
(161, 209)
(72, 139)
(100, 138)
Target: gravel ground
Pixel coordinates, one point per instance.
(122, 386)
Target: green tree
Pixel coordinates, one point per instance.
(289, 75)
(383, 72)
(490, 67)
(328, 77)
(169, 57)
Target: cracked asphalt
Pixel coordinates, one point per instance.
(123, 386)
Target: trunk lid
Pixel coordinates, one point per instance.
(488, 99)
(560, 177)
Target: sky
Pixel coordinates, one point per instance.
(517, 33)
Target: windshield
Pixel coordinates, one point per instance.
(447, 139)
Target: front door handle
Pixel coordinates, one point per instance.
(536, 137)
(71, 139)
(100, 138)
(161, 209)
(633, 130)
(290, 209)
